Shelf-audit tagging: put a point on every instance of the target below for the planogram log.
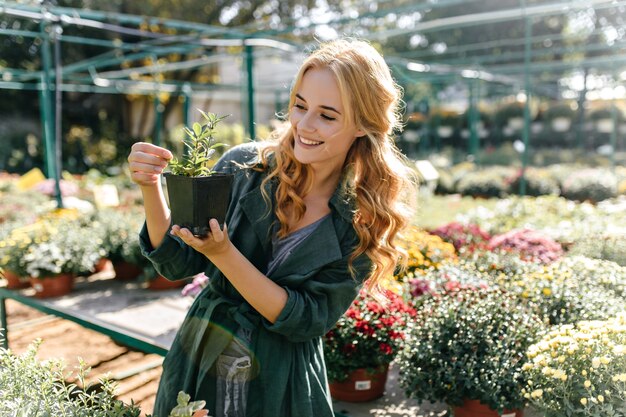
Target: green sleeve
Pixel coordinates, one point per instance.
(172, 258)
(314, 307)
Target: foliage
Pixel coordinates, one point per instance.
(22, 207)
(38, 389)
(590, 184)
(424, 251)
(185, 408)
(58, 242)
(464, 237)
(538, 182)
(529, 244)
(121, 234)
(504, 154)
(201, 148)
(507, 112)
(558, 110)
(566, 291)
(608, 246)
(449, 177)
(368, 335)
(560, 293)
(468, 343)
(486, 182)
(579, 370)
(563, 220)
(597, 273)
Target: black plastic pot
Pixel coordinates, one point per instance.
(196, 200)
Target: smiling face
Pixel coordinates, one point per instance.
(323, 129)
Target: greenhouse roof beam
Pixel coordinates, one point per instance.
(608, 61)
(476, 19)
(97, 16)
(486, 59)
(453, 50)
(413, 7)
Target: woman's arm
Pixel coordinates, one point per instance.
(263, 294)
(146, 163)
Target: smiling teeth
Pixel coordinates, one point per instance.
(309, 142)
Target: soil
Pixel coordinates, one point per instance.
(136, 373)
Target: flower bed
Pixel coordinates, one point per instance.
(579, 370)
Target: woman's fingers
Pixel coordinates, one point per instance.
(216, 232)
(216, 242)
(148, 148)
(146, 161)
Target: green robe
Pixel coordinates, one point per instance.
(289, 373)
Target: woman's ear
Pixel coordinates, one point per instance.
(359, 133)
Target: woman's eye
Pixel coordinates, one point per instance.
(299, 106)
(325, 117)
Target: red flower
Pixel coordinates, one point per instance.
(386, 349)
(368, 335)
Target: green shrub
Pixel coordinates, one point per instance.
(606, 246)
(468, 343)
(538, 182)
(486, 182)
(39, 389)
(590, 185)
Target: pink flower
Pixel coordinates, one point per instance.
(193, 289)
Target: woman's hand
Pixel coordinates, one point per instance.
(146, 162)
(216, 243)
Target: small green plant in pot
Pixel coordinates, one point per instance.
(196, 193)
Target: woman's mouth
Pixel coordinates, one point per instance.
(309, 142)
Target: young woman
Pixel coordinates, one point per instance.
(313, 216)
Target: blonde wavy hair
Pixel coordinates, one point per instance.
(375, 173)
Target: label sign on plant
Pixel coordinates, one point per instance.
(362, 385)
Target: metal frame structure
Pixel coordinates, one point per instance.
(517, 71)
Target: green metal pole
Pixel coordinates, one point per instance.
(186, 115)
(158, 120)
(526, 131)
(58, 106)
(47, 117)
(250, 84)
(581, 111)
(473, 116)
(613, 138)
(186, 104)
(4, 337)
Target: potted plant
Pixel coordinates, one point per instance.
(62, 250)
(13, 243)
(121, 241)
(360, 347)
(197, 194)
(466, 348)
(579, 370)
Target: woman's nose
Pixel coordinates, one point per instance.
(305, 124)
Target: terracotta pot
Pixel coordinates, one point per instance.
(161, 283)
(14, 281)
(55, 286)
(126, 271)
(361, 385)
(474, 408)
(103, 264)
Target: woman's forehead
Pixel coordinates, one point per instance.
(319, 85)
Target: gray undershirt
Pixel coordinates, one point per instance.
(282, 248)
